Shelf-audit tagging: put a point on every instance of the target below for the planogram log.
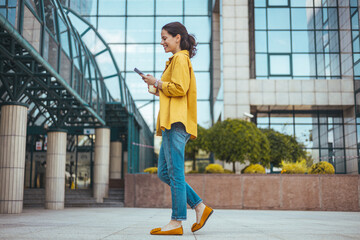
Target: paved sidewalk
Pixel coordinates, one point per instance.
(136, 223)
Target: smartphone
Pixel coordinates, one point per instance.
(138, 71)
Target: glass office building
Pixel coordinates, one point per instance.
(294, 65)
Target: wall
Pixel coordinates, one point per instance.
(227, 191)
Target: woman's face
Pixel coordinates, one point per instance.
(170, 43)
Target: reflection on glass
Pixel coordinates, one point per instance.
(162, 21)
(303, 41)
(302, 18)
(112, 29)
(261, 64)
(169, 7)
(281, 118)
(84, 7)
(279, 41)
(138, 88)
(203, 114)
(260, 41)
(106, 64)
(260, 18)
(139, 56)
(113, 86)
(93, 42)
(278, 2)
(65, 67)
(303, 64)
(31, 29)
(140, 7)
(112, 7)
(201, 61)
(118, 51)
(303, 134)
(278, 18)
(202, 85)
(279, 64)
(50, 50)
(199, 7)
(140, 30)
(285, 129)
(301, 3)
(202, 34)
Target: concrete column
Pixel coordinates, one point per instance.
(101, 163)
(125, 163)
(115, 160)
(12, 156)
(55, 169)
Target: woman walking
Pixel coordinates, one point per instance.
(176, 123)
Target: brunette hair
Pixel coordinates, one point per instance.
(187, 40)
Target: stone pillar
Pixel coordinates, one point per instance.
(125, 163)
(101, 163)
(115, 160)
(55, 169)
(12, 156)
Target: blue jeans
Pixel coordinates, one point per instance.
(171, 170)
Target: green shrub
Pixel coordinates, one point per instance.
(193, 171)
(322, 168)
(151, 170)
(298, 167)
(214, 168)
(254, 168)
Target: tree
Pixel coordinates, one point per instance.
(235, 140)
(193, 146)
(283, 147)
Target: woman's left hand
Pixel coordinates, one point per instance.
(149, 79)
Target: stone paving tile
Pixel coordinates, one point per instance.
(136, 223)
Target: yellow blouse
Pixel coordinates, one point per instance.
(178, 95)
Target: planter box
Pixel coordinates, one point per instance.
(246, 191)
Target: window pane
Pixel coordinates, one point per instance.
(303, 65)
(112, 7)
(260, 3)
(106, 64)
(260, 18)
(84, 7)
(278, 2)
(279, 41)
(279, 65)
(137, 87)
(119, 55)
(303, 41)
(139, 56)
(112, 29)
(202, 33)
(162, 21)
(201, 61)
(260, 41)
(282, 118)
(203, 114)
(203, 85)
(285, 129)
(261, 63)
(140, 29)
(301, 3)
(31, 29)
(112, 84)
(303, 134)
(199, 7)
(49, 16)
(278, 18)
(169, 7)
(302, 18)
(161, 58)
(140, 7)
(147, 111)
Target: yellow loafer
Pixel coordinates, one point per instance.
(176, 231)
(205, 216)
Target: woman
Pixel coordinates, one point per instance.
(176, 123)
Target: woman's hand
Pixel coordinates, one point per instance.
(149, 79)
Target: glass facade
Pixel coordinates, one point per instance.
(133, 31)
(296, 39)
(321, 132)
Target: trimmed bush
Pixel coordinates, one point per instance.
(254, 168)
(298, 167)
(151, 170)
(322, 168)
(214, 168)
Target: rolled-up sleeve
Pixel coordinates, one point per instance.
(180, 78)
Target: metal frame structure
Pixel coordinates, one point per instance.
(45, 63)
